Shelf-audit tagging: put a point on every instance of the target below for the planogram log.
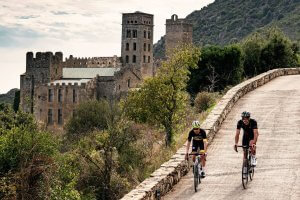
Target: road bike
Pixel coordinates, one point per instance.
(248, 168)
(197, 168)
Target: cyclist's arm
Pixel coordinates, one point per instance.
(188, 146)
(205, 144)
(237, 136)
(255, 131)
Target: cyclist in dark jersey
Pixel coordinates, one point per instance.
(199, 143)
(250, 134)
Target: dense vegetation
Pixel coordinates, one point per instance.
(9, 96)
(229, 21)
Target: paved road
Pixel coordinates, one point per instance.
(276, 107)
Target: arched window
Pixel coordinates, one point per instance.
(127, 47)
(134, 46)
(134, 33)
(144, 59)
(145, 34)
(127, 59)
(149, 35)
(128, 33)
(145, 46)
(149, 59)
(134, 58)
(149, 47)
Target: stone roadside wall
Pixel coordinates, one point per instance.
(170, 173)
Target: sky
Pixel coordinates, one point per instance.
(82, 28)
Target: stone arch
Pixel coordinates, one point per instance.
(174, 17)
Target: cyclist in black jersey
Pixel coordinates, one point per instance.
(250, 134)
(199, 143)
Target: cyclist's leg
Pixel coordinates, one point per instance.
(194, 150)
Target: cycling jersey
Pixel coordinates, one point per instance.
(248, 130)
(197, 139)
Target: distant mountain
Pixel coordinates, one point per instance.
(226, 21)
(9, 96)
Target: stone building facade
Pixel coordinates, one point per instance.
(51, 88)
(178, 32)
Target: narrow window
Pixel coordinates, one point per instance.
(128, 83)
(134, 33)
(144, 59)
(59, 95)
(149, 35)
(128, 33)
(134, 58)
(127, 59)
(127, 46)
(50, 116)
(134, 46)
(145, 34)
(145, 46)
(119, 87)
(149, 47)
(50, 95)
(74, 96)
(59, 116)
(148, 59)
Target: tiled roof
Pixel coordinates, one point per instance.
(85, 73)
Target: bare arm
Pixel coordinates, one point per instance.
(255, 131)
(188, 147)
(237, 136)
(205, 144)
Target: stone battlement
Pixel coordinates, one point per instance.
(86, 62)
(43, 59)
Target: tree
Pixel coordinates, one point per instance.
(161, 100)
(26, 157)
(222, 65)
(88, 116)
(107, 152)
(252, 48)
(278, 52)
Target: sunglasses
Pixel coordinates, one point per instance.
(196, 129)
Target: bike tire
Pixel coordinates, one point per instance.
(245, 176)
(251, 174)
(196, 178)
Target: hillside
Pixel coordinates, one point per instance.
(9, 96)
(226, 21)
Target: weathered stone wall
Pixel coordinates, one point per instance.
(73, 62)
(169, 174)
(178, 32)
(67, 105)
(137, 42)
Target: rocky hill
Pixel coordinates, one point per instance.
(9, 96)
(226, 21)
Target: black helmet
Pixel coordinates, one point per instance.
(245, 114)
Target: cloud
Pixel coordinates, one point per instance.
(28, 17)
(60, 13)
(16, 36)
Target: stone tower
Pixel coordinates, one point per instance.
(42, 69)
(178, 32)
(137, 42)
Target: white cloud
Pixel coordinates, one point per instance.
(78, 27)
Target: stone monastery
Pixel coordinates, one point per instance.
(52, 87)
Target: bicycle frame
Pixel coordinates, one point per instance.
(249, 172)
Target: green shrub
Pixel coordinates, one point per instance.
(204, 100)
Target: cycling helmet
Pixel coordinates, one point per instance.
(245, 114)
(196, 124)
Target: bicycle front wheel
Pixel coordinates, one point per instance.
(196, 177)
(245, 175)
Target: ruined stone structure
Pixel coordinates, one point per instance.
(178, 32)
(52, 87)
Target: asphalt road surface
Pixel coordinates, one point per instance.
(276, 108)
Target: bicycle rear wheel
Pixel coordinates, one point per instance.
(251, 171)
(196, 177)
(245, 171)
